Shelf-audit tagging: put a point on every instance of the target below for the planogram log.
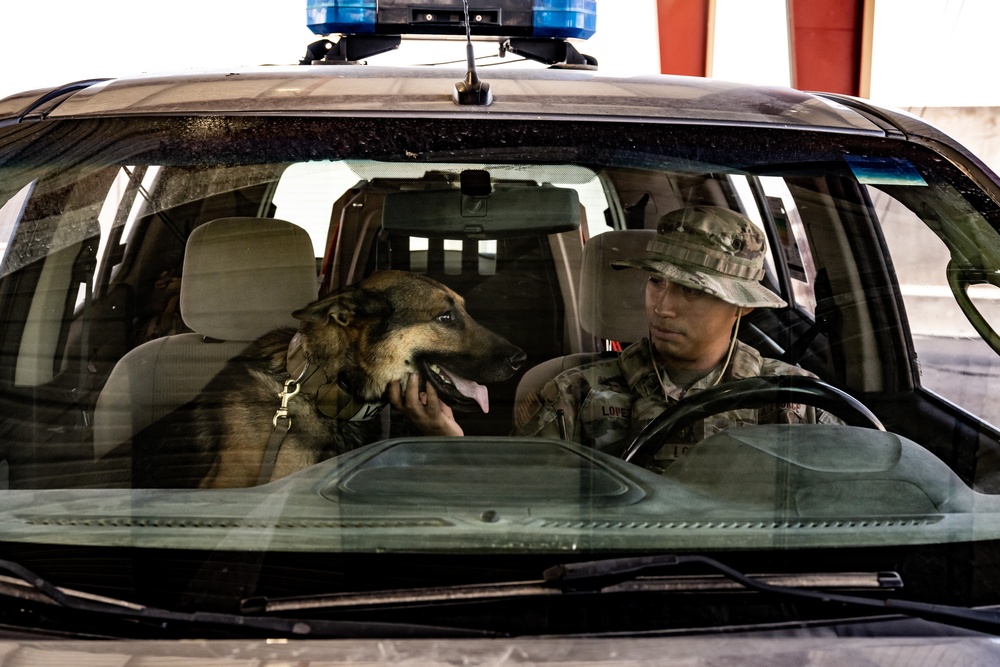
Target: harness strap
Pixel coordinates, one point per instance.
(282, 424)
(281, 428)
(330, 398)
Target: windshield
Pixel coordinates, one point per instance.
(250, 359)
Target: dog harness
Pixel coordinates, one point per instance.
(332, 399)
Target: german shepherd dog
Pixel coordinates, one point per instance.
(294, 398)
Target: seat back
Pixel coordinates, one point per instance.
(612, 303)
(242, 277)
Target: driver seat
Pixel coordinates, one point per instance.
(612, 304)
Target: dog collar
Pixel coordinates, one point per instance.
(332, 399)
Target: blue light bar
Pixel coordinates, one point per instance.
(565, 18)
(344, 16)
(545, 19)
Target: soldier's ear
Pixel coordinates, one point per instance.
(743, 312)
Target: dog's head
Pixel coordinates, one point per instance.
(393, 324)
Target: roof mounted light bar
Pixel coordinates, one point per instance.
(534, 29)
(554, 19)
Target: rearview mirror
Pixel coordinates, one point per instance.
(510, 210)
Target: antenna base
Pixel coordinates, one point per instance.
(472, 92)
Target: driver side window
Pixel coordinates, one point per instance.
(954, 361)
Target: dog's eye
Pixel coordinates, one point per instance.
(446, 318)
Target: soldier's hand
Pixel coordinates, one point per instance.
(423, 408)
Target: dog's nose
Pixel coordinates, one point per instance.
(515, 360)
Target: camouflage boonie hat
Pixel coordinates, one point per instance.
(711, 249)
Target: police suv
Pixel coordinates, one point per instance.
(877, 538)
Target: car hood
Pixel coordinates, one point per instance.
(733, 649)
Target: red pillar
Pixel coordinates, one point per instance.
(830, 45)
(685, 36)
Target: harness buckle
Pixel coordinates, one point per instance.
(290, 389)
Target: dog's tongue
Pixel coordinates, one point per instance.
(473, 390)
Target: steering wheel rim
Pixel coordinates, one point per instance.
(753, 392)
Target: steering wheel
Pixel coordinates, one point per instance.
(753, 392)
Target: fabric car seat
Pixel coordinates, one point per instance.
(241, 278)
(612, 303)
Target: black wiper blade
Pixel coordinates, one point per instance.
(465, 593)
(597, 573)
(27, 585)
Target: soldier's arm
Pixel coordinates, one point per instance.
(549, 413)
(792, 413)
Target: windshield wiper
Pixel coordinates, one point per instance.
(712, 583)
(26, 585)
(587, 575)
(624, 575)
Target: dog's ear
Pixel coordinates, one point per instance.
(339, 307)
(343, 306)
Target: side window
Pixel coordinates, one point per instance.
(305, 195)
(56, 233)
(792, 242)
(126, 200)
(949, 350)
(10, 215)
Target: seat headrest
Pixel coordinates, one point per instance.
(245, 276)
(612, 302)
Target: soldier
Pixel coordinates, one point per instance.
(705, 266)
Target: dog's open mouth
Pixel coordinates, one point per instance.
(456, 391)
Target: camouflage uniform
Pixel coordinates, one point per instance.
(606, 403)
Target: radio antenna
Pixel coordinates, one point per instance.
(471, 91)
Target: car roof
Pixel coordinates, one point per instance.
(425, 91)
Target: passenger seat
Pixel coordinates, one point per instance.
(242, 277)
